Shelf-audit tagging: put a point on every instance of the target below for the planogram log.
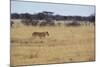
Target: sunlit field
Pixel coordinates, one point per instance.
(64, 44)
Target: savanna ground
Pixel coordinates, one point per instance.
(64, 44)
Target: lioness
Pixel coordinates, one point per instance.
(40, 34)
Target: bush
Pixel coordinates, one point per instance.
(11, 23)
(74, 23)
(30, 22)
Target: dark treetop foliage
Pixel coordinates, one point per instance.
(45, 15)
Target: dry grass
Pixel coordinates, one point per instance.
(65, 44)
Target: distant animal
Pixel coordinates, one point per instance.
(40, 34)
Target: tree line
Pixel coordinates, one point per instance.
(48, 16)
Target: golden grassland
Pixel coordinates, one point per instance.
(64, 44)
